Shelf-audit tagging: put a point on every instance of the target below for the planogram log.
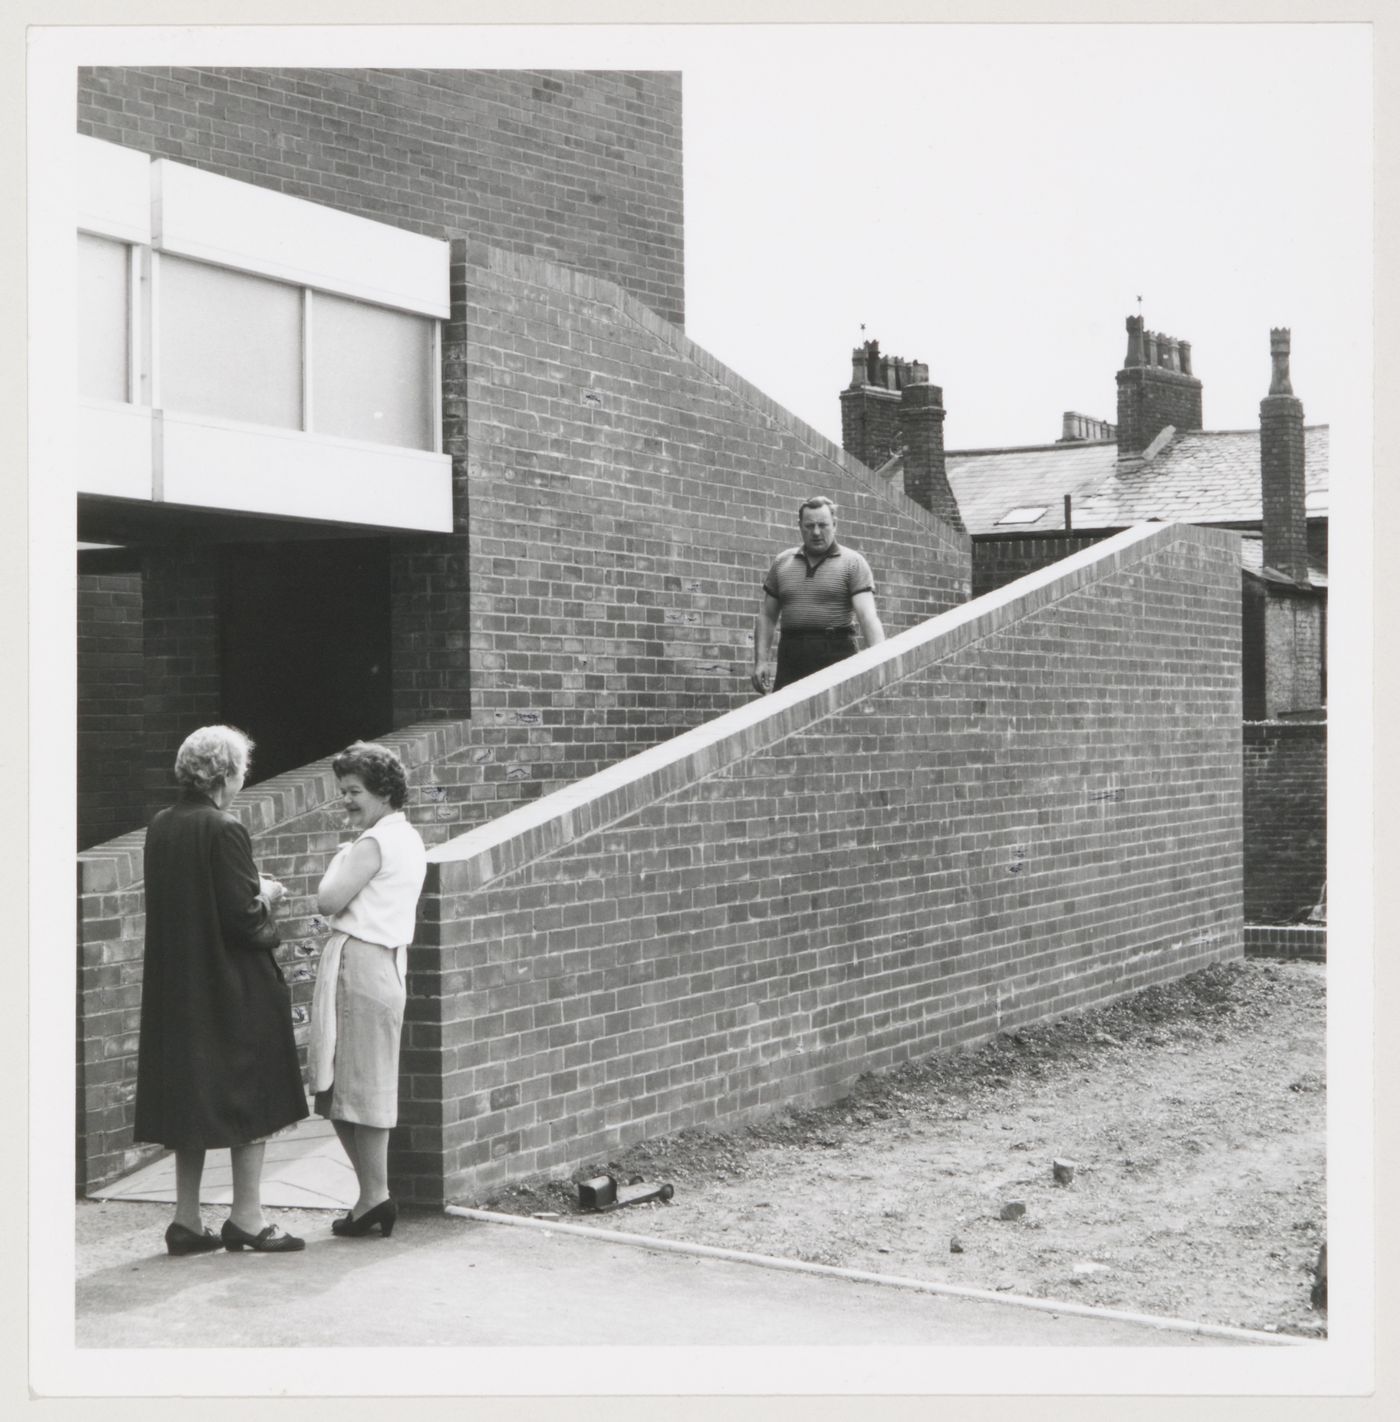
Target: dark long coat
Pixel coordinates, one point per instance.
(217, 1062)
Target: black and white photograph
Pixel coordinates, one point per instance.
(679, 707)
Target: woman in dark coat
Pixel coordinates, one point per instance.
(217, 1062)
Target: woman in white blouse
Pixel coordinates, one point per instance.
(370, 895)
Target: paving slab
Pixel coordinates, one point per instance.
(453, 1282)
(304, 1169)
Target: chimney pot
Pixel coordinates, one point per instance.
(1280, 346)
(1134, 355)
(858, 367)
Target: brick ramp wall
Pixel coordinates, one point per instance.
(608, 595)
(1025, 806)
(580, 167)
(626, 492)
(1285, 818)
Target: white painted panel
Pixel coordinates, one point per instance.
(114, 450)
(113, 190)
(230, 344)
(217, 219)
(215, 464)
(104, 318)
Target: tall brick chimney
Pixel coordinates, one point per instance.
(921, 416)
(870, 405)
(890, 407)
(1282, 466)
(1155, 388)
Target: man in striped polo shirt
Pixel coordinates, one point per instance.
(819, 590)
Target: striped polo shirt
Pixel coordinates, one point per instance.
(817, 596)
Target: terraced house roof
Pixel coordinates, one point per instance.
(1198, 476)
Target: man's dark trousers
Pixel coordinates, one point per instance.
(802, 653)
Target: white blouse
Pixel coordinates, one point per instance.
(384, 911)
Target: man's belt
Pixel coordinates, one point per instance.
(821, 632)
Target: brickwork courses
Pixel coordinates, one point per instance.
(581, 168)
(618, 495)
(111, 690)
(998, 561)
(1008, 813)
(1285, 818)
(597, 599)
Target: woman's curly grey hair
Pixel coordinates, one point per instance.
(378, 767)
(212, 755)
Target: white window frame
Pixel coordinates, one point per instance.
(134, 449)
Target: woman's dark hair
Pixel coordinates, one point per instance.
(378, 767)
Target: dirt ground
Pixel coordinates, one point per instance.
(1192, 1117)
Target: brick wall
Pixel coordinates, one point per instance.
(1016, 810)
(626, 494)
(111, 688)
(998, 561)
(582, 168)
(1295, 942)
(1285, 818)
(619, 496)
(1293, 652)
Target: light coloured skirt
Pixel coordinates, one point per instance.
(369, 1001)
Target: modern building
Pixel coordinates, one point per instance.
(391, 428)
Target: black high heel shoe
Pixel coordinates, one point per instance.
(179, 1240)
(384, 1214)
(273, 1239)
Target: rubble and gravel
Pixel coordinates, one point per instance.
(1191, 1114)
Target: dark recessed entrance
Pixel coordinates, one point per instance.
(306, 647)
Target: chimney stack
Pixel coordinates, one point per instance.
(921, 416)
(1155, 388)
(889, 406)
(870, 406)
(1282, 468)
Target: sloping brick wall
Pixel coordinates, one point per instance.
(1285, 818)
(1027, 805)
(623, 494)
(579, 167)
(598, 598)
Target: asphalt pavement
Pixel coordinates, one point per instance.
(444, 1280)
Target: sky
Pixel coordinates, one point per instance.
(994, 201)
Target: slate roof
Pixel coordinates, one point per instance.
(1199, 476)
(1252, 561)
(990, 483)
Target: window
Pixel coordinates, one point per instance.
(1023, 514)
(104, 318)
(371, 372)
(230, 344)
